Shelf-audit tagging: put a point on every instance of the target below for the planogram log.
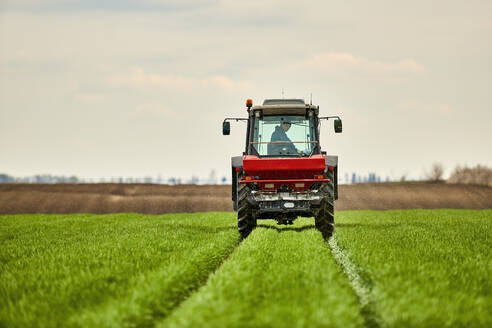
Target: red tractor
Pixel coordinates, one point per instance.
(283, 173)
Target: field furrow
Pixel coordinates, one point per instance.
(106, 270)
(425, 268)
(277, 277)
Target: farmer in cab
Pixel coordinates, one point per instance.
(283, 144)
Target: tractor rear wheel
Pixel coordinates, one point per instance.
(246, 222)
(325, 218)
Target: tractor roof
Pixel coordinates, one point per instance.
(285, 107)
(283, 101)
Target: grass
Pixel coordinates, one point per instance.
(425, 268)
(105, 270)
(410, 268)
(278, 277)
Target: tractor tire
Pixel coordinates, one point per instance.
(325, 218)
(246, 222)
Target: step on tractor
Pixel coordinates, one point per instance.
(283, 173)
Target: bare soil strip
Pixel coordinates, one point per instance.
(159, 199)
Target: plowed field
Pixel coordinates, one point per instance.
(159, 199)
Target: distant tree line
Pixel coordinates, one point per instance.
(480, 174)
(48, 178)
(43, 178)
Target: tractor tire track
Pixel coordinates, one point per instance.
(135, 310)
(204, 282)
(361, 287)
(278, 277)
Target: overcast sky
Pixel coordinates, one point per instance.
(135, 88)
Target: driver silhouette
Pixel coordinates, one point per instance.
(285, 146)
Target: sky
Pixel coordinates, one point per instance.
(135, 88)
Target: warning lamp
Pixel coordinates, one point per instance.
(249, 103)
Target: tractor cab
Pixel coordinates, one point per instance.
(282, 128)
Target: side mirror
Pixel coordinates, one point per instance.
(338, 125)
(226, 128)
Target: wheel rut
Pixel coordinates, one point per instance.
(144, 306)
(277, 277)
(204, 282)
(361, 286)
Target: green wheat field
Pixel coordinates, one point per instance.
(409, 268)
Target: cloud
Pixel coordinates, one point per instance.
(138, 78)
(417, 107)
(339, 62)
(157, 110)
(107, 5)
(253, 8)
(88, 97)
(35, 2)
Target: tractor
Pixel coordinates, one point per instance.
(283, 173)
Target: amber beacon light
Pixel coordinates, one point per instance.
(249, 103)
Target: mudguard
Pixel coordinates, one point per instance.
(236, 162)
(332, 160)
